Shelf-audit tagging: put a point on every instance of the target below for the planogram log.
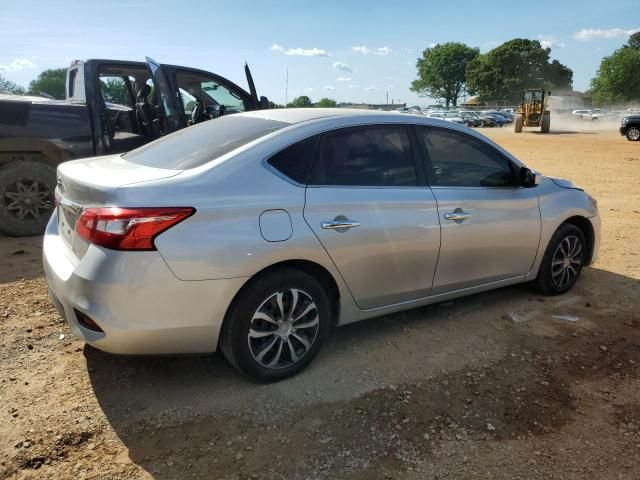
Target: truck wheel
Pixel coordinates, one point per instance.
(26, 197)
(518, 123)
(633, 134)
(546, 123)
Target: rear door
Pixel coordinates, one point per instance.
(169, 97)
(490, 224)
(367, 203)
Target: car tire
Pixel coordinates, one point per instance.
(518, 123)
(26, 197)
(563, 260)
(633, 134)
(545, 127)
(261, 336)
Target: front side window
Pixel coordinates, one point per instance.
(366, 156)
(459, 160)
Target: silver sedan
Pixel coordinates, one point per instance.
(256, 232)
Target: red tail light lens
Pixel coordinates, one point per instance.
(128, 228)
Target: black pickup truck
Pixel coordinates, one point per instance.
(111, 106)
(630, 127)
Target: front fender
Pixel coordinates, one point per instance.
(557, 205)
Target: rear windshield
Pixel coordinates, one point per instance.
(199, 144)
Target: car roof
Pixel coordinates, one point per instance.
(298, 115)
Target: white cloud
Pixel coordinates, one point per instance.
(587, 34)
(309, 89)
(432, 44)
(343, 79)
(343, 67)
(302, 52)
(410, 63)
(390, 86)
(549, 41)
(17, 65)
(354, 86)
(371, 87)
(381, 51)
(329, 87)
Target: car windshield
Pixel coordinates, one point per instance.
(199, 144)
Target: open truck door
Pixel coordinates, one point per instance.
(258, 104)
(168, 97)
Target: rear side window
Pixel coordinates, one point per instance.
(295, 161)
(459, 160)
(366, 156)
(199, 144)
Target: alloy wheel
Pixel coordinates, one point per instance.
(633, 134)
(27, 198)
(283, 329)
(566, 261)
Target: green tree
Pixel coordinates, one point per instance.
(11, 87)
(300, 102)
(114, 90)
(634, 41)
(441, 71)
(618, 78)
(326, 103)
(504, 72)
(50, 81)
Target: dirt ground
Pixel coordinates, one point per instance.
(498, 385)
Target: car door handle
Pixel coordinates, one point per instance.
(457, 216)
(338, 224)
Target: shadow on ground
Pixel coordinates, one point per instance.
(157, 405)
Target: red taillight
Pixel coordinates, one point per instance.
(128, 228)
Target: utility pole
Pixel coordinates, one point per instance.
(286, 88)
(387, 97)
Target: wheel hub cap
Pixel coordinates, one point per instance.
(27, 199)
(567, 261)
(283, 329)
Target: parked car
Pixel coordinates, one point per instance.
(485, 120)
(630, 127)
(587, 114)
(504, 116)
(499, 119)
(257, 232)
(111, 106)
(470, 119)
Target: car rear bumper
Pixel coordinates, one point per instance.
(139, 305)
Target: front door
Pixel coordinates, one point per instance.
(168, 98)
(490, 224)
(376, 220)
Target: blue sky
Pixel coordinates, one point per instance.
(346, 50)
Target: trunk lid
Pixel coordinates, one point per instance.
(92, 183)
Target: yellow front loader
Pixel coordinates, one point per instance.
(533, 111)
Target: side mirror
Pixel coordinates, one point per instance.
(529, 178)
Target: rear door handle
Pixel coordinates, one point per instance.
(339, 224)
(457, 216)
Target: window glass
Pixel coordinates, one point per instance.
(374, 156)
(459, 160)
(114, 89)
(199, 144)
(195, 87)
(223, 96)
(295, 161)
